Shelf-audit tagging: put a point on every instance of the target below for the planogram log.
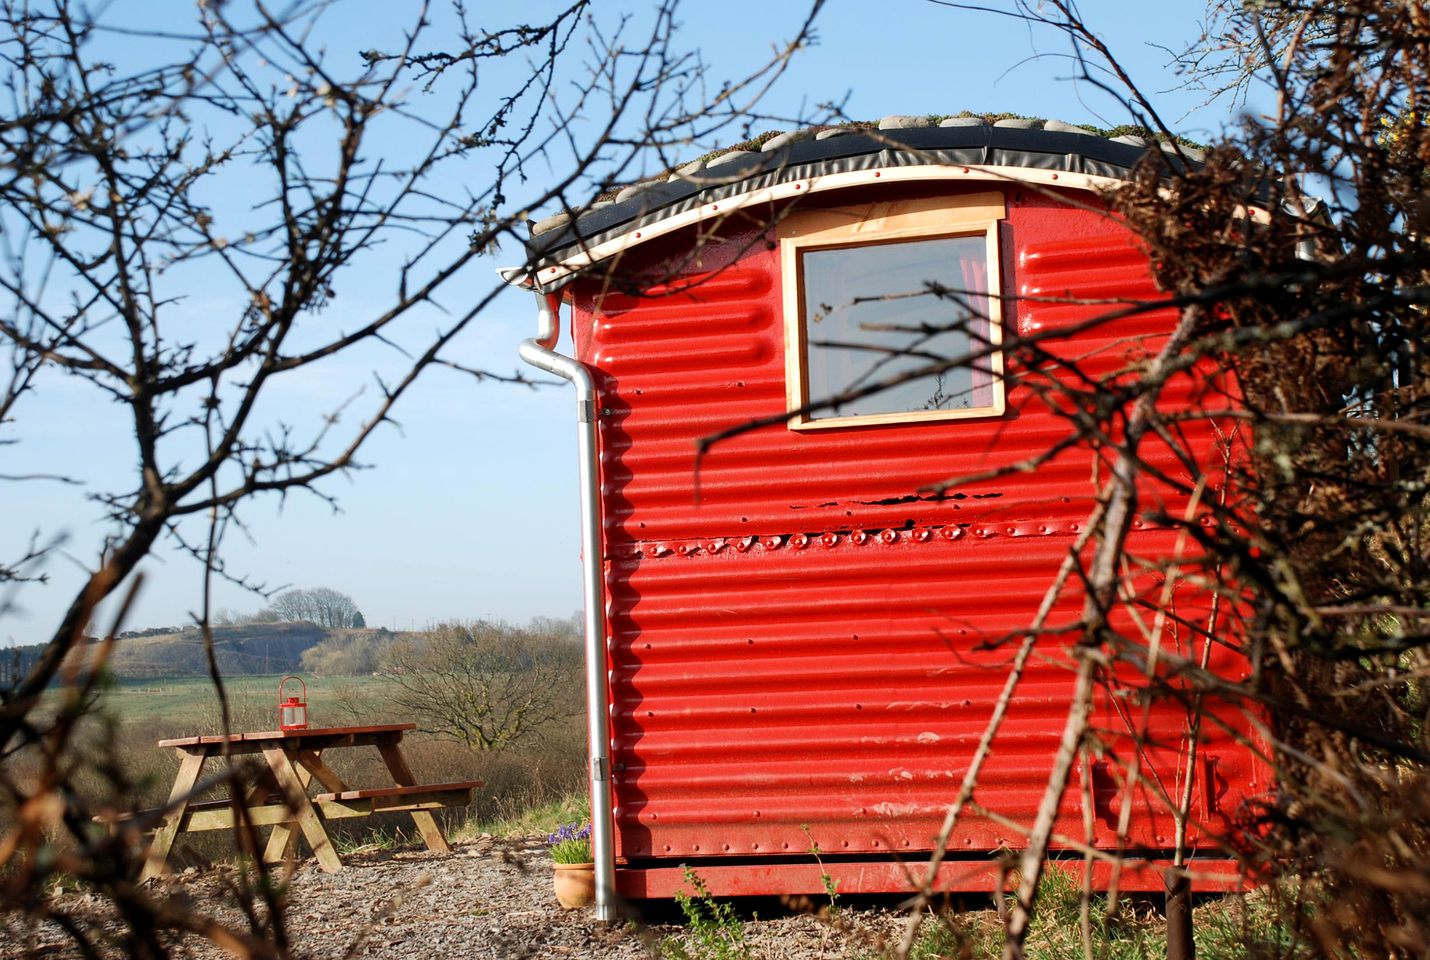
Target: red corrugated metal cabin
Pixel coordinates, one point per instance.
(804, 645)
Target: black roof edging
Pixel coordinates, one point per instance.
(984, 145)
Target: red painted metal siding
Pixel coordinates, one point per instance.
(800, 641)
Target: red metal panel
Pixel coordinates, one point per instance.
(806, 650)
(982, 876)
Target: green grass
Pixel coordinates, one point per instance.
(191, 703)
(370, 840)
(542, 819)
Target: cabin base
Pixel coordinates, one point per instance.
(756, 877)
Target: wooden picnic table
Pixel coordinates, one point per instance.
(278, 796)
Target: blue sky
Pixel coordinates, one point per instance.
(470, 510)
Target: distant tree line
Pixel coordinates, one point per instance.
(323, 606)
(150, 632)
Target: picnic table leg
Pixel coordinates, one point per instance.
(158, 855)
(296, 793)
(283, 841)
(402, 776)
(312, 763)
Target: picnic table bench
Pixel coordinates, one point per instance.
(279, 794)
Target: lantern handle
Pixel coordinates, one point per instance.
(301, 696)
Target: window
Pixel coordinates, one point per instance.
(884, 294)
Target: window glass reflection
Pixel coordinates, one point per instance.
(872, 314)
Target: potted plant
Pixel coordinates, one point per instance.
(574, 875)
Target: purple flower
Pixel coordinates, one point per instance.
(568, 832)
(571, 843)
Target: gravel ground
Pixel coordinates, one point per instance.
(489, 898)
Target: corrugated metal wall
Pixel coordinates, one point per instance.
(805, 649)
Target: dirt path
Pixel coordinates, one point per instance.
(490, 898)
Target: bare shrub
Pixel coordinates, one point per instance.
(483, 684)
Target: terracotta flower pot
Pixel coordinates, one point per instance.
(575, 884)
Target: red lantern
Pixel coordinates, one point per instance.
(293, 712)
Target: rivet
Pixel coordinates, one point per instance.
(858, 537)
(638, 234)
(922, 535)
(965, 169)
(1072, 527)
(667, 848)
(845, 842)
(797, 186)
(877, 174)
(829, 539)
(889, 536)
(799, 541)
(1012, 530)
(713, 207)
(1042, 528)
(1055, 176)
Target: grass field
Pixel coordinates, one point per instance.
(192, 703)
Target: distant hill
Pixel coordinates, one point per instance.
(250, 648)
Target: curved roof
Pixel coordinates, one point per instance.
(808, 161)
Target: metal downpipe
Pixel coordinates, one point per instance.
(539, 353)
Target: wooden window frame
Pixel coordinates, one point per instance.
(875, 223)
